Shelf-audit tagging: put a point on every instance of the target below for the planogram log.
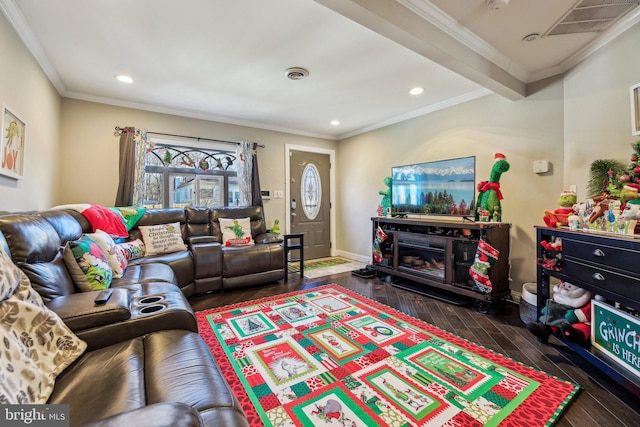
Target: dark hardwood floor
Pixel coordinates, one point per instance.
(601, 401)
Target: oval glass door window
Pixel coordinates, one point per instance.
(311, 191)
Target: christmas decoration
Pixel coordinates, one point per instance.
(486, 256)
(488, 206)
(385, 203)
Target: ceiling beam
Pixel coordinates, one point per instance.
(416, 32)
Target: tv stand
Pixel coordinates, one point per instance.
(433, 257)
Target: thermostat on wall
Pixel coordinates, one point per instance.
(541, 166)
(266, 194)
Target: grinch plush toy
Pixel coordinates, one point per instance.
(385, 203)
(488, 203)
(560, 217)
(568, 310)
(276, 227)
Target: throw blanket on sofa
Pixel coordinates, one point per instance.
(115, 221)
(36, 344)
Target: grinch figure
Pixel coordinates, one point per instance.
(560, 216)
(276, 227)
(488, 206)
(385, 203)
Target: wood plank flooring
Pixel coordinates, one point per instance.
(601, 402)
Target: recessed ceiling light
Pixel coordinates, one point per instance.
(335, 122)
(531, 37)
(124, 79)
(416, 91)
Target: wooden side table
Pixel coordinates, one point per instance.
(293, 242)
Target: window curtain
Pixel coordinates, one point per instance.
(248, 176)
(256, 194)
(245, 166)
(133, 144)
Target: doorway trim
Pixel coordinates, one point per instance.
(332, 186)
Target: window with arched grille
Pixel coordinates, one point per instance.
(178, 175)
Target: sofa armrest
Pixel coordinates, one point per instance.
(194, 240)
(268, 238)
(165, 414)
(79, 311)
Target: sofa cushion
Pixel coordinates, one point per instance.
(239, 261)
(103, 382)
(132, 250)
(164, 366)
(146, 272)
(30, 238)
(236, 231)
(115, 255)
(87, 265)
(49, 279)
(169, 360)
(37, 346)
(162, 238)
(180, 262)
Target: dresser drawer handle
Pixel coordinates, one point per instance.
(598, 276)
(598, 253)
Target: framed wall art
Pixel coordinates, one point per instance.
(635, 109)
(12, 144)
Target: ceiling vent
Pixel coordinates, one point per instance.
(296, 73)
(591, 16)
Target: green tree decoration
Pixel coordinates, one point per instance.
(599, 179)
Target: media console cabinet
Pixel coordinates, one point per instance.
(433, 257)
(605, 264)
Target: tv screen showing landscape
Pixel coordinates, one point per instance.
(443, 187)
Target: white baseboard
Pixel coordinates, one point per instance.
(355, 257)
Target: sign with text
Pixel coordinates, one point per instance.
(617, 334)
(34, 415)
(12, 145)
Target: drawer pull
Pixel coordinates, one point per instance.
(598, 276)
(598, 253)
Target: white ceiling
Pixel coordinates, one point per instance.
(225, 60)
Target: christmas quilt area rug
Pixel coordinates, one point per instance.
(331, 357)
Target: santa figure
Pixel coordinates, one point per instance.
(568, 311)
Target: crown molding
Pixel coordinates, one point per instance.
(444, 22)
(15, 17)
(611, 33)
(461, 99)
(194, 115)
(434, 15)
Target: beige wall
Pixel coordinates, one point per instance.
(524, 131)
(597, 108)
(27, 92)
(89, 165)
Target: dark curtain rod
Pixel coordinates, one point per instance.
(119, 129)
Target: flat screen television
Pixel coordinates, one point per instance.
(443, 187)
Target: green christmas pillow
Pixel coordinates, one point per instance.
(236, 232)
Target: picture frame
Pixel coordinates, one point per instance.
(12, 144)
(635, 109)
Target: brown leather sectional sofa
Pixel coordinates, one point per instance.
(145, 363)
